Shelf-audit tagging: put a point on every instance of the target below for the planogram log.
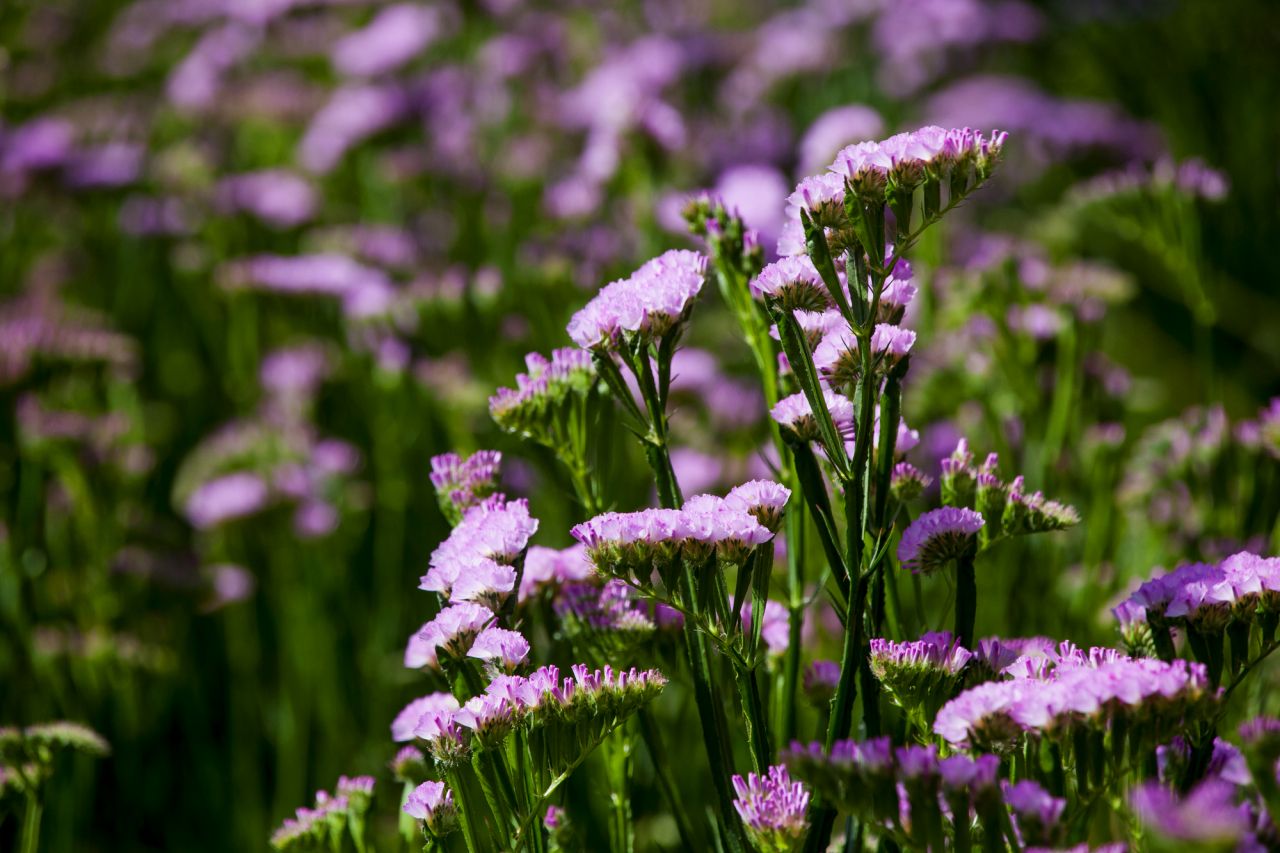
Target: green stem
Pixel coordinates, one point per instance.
(666, 781)
(753, 709)
(30, 836)
(966, 600)
(795, 523)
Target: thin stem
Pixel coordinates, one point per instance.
(666, 781)
(795, 523)
(753, 709)
(30, 842)
(966, 601)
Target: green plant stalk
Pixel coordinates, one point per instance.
(710, 710)
(853, 655)
(30, 834)
(466, 815)
(795, 527)
(753, 709)
(618, 763)
(966, 600)
(666, 781)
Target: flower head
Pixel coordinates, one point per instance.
(432, 803)
(794, 283)
(938, 537)
(654, 301)
(773, 808)
(505, 650)
(406, 722)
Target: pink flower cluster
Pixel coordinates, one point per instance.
(1205, 596)
(655, 300)
(522, 408)
(464, 482)
(432, 803)
(1100, 686)
(476, 563)
(773, 808)
(548, 568)
(313, 825)
(537, 699)
(618, 543)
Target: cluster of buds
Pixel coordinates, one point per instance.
(27, 754)
(1011, 510)
(707, 527)
(652, 304)
(557, 712)
(726, 234)
(773, 809)
(480, 560)
(1210, 601)
(960, 159)
(461, 483)
(324, 826)
(609, 614)
(921, 675)
(904, 791)
(543, 399)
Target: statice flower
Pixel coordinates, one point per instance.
(773, 808)
(406, 722)
(279, 198)
(654, 302)
(432, 803)
(765, 500)
(859, 777)
(907, 482)
(797, 420)
(549, 568)
(225, 499)
(939, 537)
(461, 483)
(395, 36)
(452, 631)
(504, 650)
(481, 551)
(794, 284)
(409, 765)
(891, 344)
(1208, 815)
(820, 680)
(530, 407)
(961, 157)
(612, 608)
(774, 627)
(922, 674)
(1037, 814)
(836, 357)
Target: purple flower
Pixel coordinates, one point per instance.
(907, 482)
(1208, 815)
(796, 418)
(481, 550)
(453, 630)
(506, 649)
(765, 500)
(278, 197)
(406, 722)
(939, 536)
(774, 628)
(295, 372)
(820, 680)
(822, 197)
(545, 567)
(794, 283)
(655, 300)
(773, 808)
(396, 35)
(226, 498)
(892, 343)
(1036, 813)
(352, 114)
(836, 357)
(432, 803)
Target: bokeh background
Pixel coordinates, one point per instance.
(261, 259)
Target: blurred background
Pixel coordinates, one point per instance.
(261, 259)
